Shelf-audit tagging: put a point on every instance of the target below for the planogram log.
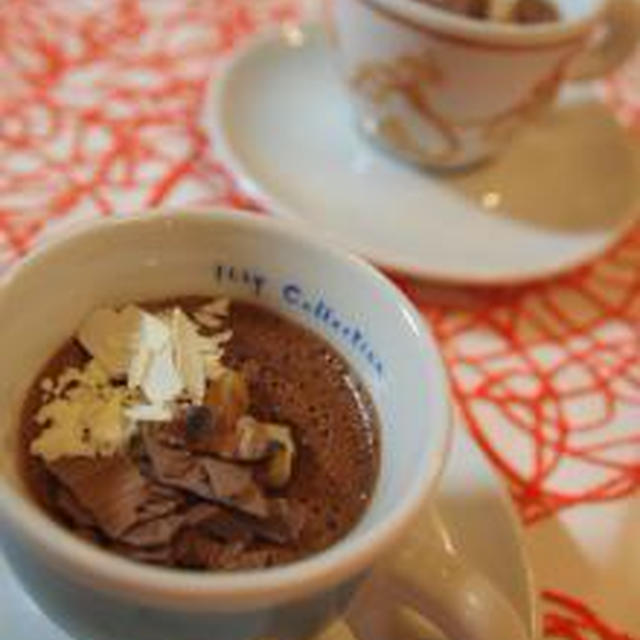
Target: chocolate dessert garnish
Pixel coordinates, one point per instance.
(230, 396)
(208, 478)
(227, 526)
(112, 489)
(212, 314)
(154, 533)
(234, 486)
(200, 423)
(201, 435)
(216, 430)
(281, 451)
(282, 525)
(72, 509)
(161, 501)
(251, 442)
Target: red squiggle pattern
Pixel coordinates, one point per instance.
(99, 107)
(548, 379)
(570, 619)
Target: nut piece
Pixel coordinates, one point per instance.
(252, 440)
(230, 396)
(282, 450)
(260, 440)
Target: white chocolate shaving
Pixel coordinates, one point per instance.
(163, 359)
(107, 335)
(188, 355)
(148, 413)
(139, 367)
(85, 419)
(212, 315)
(162, 383)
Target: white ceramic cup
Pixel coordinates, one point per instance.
(94, 594)
(446, 91)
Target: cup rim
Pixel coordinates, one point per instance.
(242, 590)
(466, 30)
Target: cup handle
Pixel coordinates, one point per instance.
(612, 42)
(430, 578)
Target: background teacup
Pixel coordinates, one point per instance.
(447, 91)
(95, 594)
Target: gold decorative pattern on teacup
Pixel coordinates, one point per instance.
(502, 126)
(398, 137)
(413, 78)
(407, 77)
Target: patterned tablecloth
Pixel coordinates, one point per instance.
(98, 106)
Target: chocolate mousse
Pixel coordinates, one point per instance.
(200, 434)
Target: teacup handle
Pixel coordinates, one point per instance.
(613, 41)
(428, 576)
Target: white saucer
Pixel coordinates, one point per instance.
(564, 192)
(477, 513)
